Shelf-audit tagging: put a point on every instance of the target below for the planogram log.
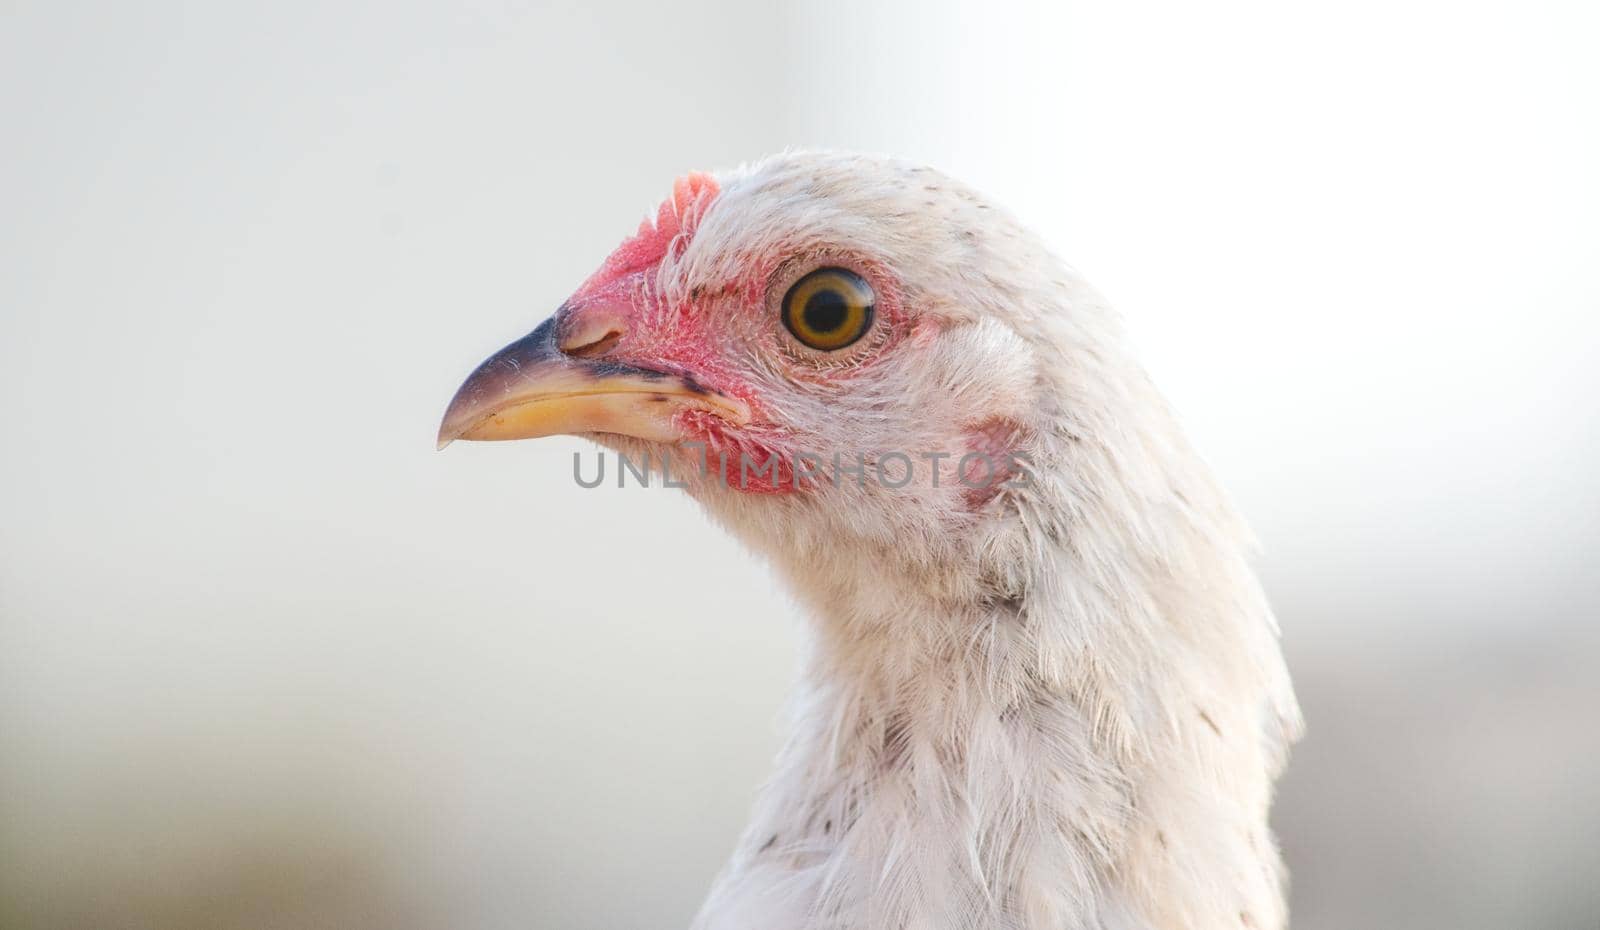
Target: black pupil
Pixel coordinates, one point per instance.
(825, 311)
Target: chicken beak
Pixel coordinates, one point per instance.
(531, 388)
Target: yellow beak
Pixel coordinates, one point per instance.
(532, 388)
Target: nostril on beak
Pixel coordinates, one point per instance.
(592, 348)
(588, 333)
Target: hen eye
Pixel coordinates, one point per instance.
(829, 308)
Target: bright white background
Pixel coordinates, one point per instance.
(268, 661)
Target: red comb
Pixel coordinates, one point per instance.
(691, 194)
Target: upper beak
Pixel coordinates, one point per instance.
(542, 385)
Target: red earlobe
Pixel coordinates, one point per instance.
(994, 461)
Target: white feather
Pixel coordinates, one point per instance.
(1062, 710)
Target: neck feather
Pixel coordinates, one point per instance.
(1078, 730)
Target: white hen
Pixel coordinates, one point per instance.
(1045, 690)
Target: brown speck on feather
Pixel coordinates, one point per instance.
(1210, 723)
(894, 742)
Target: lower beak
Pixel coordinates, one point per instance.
(531, 388)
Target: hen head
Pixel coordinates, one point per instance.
(815, 345)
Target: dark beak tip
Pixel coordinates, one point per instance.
(492, 376)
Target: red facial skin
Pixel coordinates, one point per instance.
(674, 336)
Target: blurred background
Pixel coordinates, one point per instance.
(268, 661)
